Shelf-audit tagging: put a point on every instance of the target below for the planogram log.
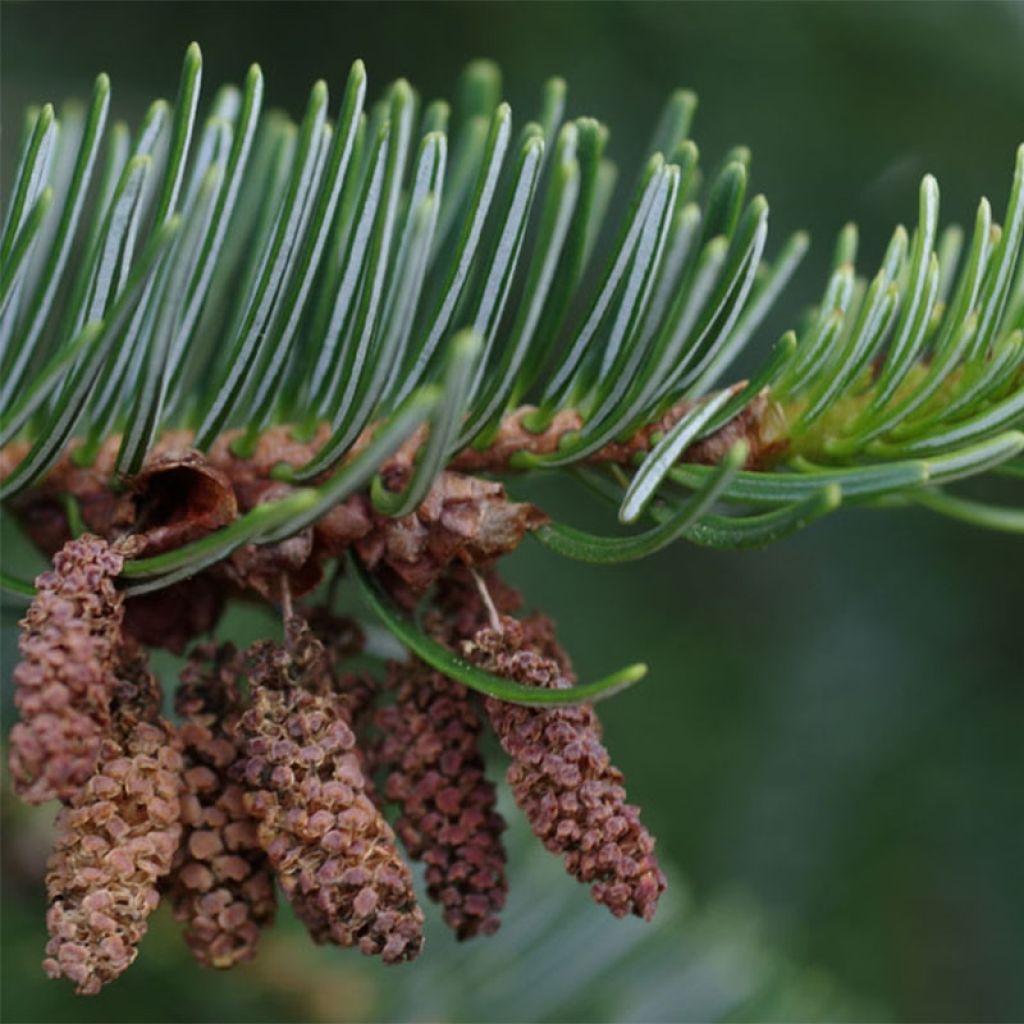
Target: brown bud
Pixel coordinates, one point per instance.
(462, 519)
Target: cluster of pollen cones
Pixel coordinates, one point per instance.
(278, 770)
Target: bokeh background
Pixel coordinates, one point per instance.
(829, 743)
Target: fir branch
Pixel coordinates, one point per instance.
(357, 254)
(266, 350)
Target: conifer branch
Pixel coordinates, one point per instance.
(258, 350)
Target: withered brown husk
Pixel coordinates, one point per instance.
(179, 496)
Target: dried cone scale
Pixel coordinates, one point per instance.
(221, 886)
(429, 746)
(116, 839)
(334, 854)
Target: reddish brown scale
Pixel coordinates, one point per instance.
(334, 854)
(563, 780)
(429, 744)
(221, 886)
(115, 841)
(65, 679)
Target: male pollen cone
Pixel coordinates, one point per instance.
(221, 887)
(115, 840)
(429, 744)
(64, 681)
(563, 780)
(333, 852)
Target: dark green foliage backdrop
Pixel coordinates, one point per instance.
(831, 730)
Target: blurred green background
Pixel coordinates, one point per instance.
(829, 743)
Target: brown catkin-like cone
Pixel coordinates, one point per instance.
(429, 743)
(115, 841)
(562, 779)
(65, 679)
(334, 854)
(221, 886)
